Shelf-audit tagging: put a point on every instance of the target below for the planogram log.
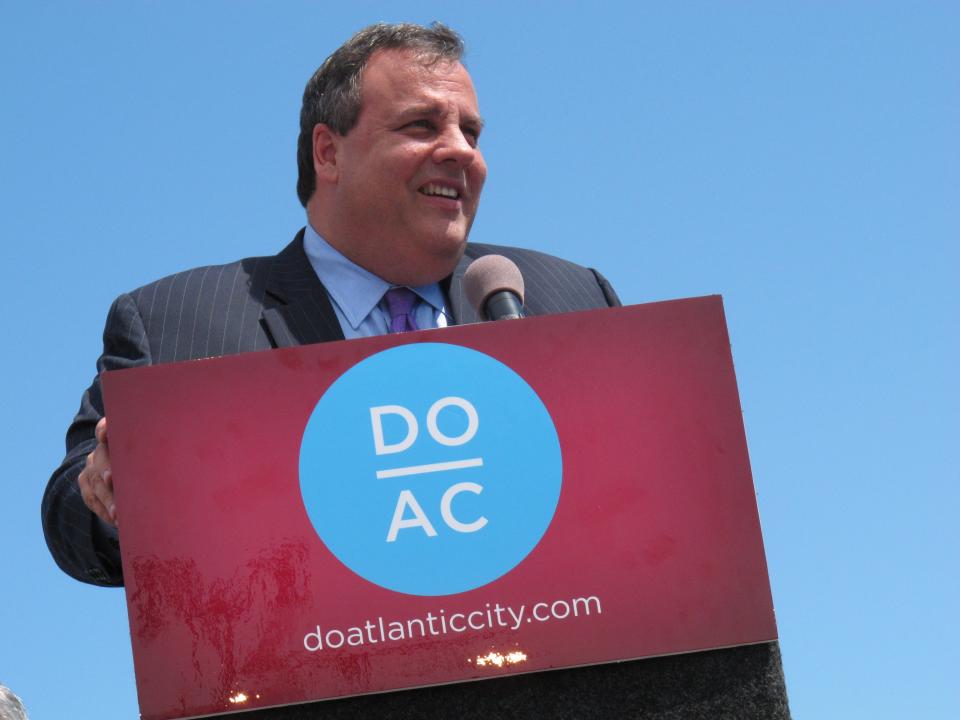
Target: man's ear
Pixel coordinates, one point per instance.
(325, 153)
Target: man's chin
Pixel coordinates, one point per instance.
(437, 261)
(438, 269)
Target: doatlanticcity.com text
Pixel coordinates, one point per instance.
(435, 624)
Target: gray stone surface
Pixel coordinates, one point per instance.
(742, 683)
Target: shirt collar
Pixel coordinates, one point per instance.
(354, 289)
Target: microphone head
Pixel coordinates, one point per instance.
(488, 275)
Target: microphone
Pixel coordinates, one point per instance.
(494, 287)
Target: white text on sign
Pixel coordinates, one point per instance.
(406, 499)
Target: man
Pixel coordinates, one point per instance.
(390, 174)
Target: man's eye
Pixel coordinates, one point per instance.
(472, 135)
(418, 124)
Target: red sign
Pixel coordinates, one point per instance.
(241, 586)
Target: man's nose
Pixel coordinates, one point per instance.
(453, 146)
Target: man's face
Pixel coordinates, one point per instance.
(409, 174)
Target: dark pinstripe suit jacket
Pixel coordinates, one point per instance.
(253, 304)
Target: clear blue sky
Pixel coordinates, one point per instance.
(801, 159)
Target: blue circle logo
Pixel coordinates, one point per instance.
(430, 469)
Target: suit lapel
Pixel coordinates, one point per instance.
(302, 313)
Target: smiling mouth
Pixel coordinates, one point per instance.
(433, 189)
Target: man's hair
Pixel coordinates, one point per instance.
(10, 706)
(333, 94)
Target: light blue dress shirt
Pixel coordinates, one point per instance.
(357, 294)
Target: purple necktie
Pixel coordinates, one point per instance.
(400, 302)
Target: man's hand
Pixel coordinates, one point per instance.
(96, 480)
